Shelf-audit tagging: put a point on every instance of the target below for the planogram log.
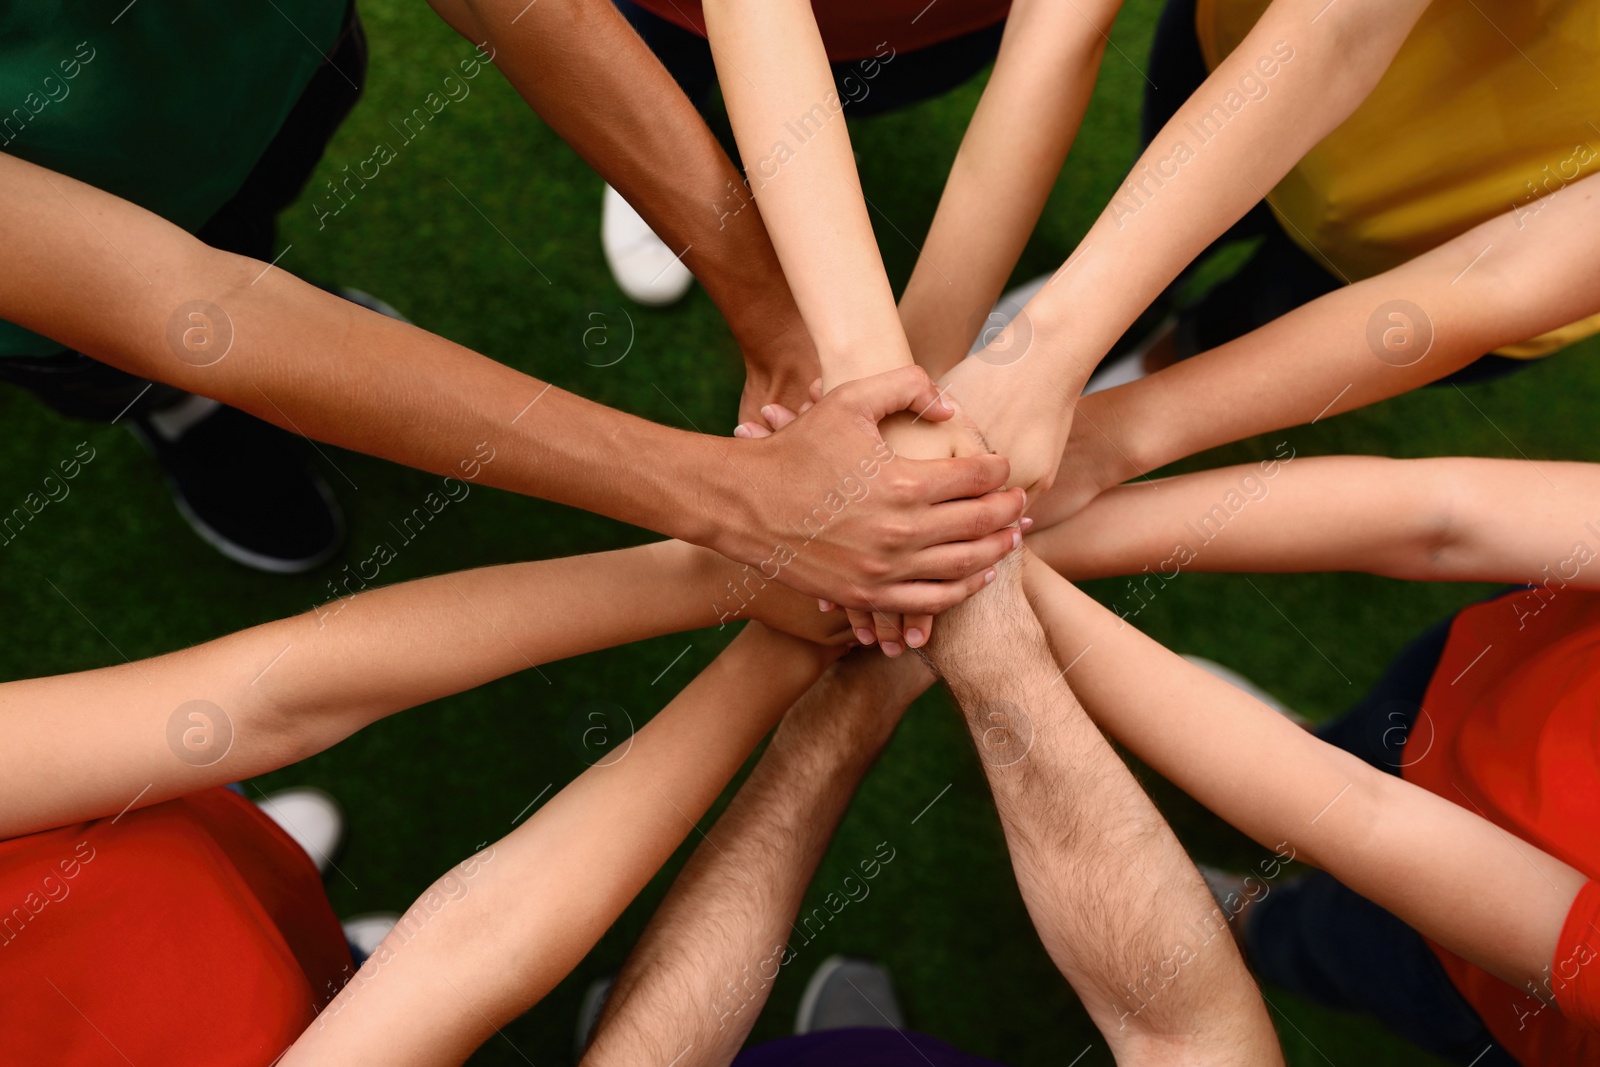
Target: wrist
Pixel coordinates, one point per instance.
(720, 514)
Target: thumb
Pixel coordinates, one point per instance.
(902, 389)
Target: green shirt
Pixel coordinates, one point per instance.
(167, 103)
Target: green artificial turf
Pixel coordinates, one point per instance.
(484, 228)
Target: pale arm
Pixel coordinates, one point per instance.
(788, 120)
(1503, 281)
(1453, 876)
(1462, 520)
(447, 977)
(1327, 59)
(1008, 162)
(80, 746)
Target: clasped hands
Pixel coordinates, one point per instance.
(918, 523)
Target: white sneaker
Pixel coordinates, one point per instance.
(1245, 685)
(311, 817)
(645, 268)
(366, 932)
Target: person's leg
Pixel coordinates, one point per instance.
(1321, 941)
(246, 487)
(247, 223)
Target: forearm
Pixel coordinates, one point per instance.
(320, 366)
(1448, 519)
(582, 68)
(1505, 280)
(279, 692)
(461, 964)
(1008, 162)
(699, 976)
(1074, 817)
(1453, 876)
(790, 128)
(1186, 189)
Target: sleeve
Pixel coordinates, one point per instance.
(1575, 971)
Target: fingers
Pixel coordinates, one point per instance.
(778, 416)
(861, 625)
(969, 520)
(959, 559)
(816, 390)
(902, 389)
(916, 629)
(932, 598)
(887, 628)
(937, 480)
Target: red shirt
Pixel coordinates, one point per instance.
(1512, 721)
(190, 932)
(858, 29)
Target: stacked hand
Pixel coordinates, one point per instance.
(936, 436)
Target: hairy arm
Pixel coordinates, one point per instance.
(584, 70)
(1453, 876)
(694, 985)
(464, 962)
(1326, 59)
(1508, 279)
(1449, 519)
(1113, 895)
(169, 308)
(1007, 164)
(265, 697)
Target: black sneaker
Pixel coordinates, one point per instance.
(845, 994)
(245, 486)
(594, 1002)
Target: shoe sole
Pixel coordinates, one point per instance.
(807, 1011)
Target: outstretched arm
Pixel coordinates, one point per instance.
(169, 308)
(1074, 817)
(789, 122)
(694, 985)
(1453, 876)
(78, 746)
(1325, 59)
(1450, 520)
(534, 903)
(1503, 281)
(584, 70)
(1008, 162)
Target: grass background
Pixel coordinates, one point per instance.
(113, 571)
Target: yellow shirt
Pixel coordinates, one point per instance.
(1488, 106)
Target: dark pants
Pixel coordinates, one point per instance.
(1280, 275)
(1319, 940)
(865, 86)
(83, 388)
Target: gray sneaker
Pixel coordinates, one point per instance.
(847, 993)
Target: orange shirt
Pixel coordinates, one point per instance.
(1511, 725)
(193, 932)
(858, 30)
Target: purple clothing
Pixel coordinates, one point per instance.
(866, 1047)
